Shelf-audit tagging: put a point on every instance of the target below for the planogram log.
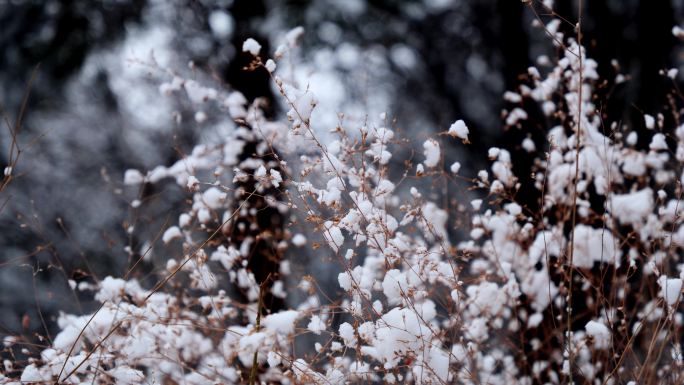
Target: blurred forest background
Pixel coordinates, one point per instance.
(91, 115)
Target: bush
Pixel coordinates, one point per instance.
(579, 282)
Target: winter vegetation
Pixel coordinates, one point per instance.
(445, 275)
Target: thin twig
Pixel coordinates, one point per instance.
(574, 192)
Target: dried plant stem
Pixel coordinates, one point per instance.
(574, 191)
(253, 371)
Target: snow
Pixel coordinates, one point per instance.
(493, 152)
(399, 331)
(203, 215)
(672, 73)
(385, 187)
(306, 375)
(66, 338)
(477, 329)
(502, 171)
(133, 177)
(171, 233)
(299, 240)
(347, 333)
(634, 163)
(260, 172)
(632, 208)
(316, 325)
(270, 65)
(31, 374)
(649, 121)
(168, 89)
(345, 281)
(214, 198)
(276, 178)
(528, 145)
(431, 152)
(403, 56)
(513, 208)
(662, 195)
(658, 142)
(252, 46)
(487, 298)
(221, 24)
(670, 289)
(677, 31)
(226, 257)
(156, 174)
(200, 117)
(293, 35)
(438, 364)
(516, 116)
(394, 285)
(303, 104)
(282, 322)
(198, 93)
(455, 167)
(251, 342)
(333, 235)
(436, 219)
(600, 333)
(632, 138)
(534, 320)
(111, 289)
(459, 130)
(593, 244)
(273, 359)
(126, 375)
(193, 183)
(512, 97)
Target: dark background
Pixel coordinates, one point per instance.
(88, 120)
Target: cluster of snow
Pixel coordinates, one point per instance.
(459, 130)
(252, 46)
